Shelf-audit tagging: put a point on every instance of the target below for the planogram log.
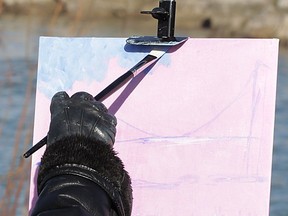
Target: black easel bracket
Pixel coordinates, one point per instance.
(165, 14)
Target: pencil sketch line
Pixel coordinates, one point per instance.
(252, 79)
(183, 140)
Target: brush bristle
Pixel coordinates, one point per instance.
(157, 53)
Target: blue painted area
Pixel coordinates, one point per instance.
(62, 61)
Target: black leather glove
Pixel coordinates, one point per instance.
(80, 158)
(80, 115)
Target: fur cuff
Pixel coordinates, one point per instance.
(85, 152)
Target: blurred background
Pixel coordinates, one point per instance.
(23, 21)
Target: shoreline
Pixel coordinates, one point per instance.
(60, 18)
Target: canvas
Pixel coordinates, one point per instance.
(195, 130)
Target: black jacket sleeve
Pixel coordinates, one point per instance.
(79, 177)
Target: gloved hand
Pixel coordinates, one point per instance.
(80, 115)
(80, 157)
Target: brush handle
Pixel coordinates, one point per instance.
(122, 80)
(105, 93)
(114, 86)
(35, 147)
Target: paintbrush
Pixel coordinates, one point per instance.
(149, 59)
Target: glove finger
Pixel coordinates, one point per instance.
(58, 101)
(103, 130)
(110, 131)
(108, 137)
(82, 96)
(88, 99)
(108, 125)
(102, 119)
(111, 119)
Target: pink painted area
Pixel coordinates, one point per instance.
(196, 132)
